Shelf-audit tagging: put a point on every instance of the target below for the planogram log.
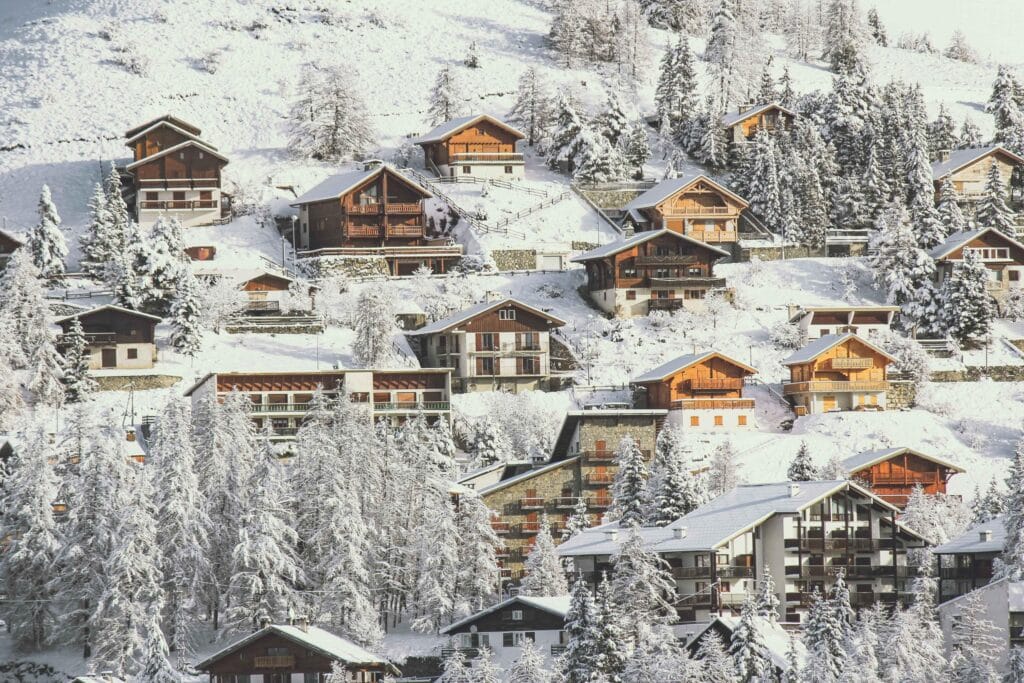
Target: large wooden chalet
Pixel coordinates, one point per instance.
(837, 372)
(658, 270)
(480, 146)
(282, 653)
(8, 244)
(116, 338)
(1003, 256)
(693, 204)
(700, 390)
(175, 173)
(373, 212)
(741, 126)
(500, 345)
(969, 169)
(892, 473)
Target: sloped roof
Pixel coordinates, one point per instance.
(958, 158)
(970, 540)
(718, 521)
(872, 308)
(174, 120)
(822, 344)
(448, 128)
(670, 186)
(164, 123)
(316, 639)
(730, 120)
(529, 474)
(574, 417)
(682, 362)
(171, 150)
(775, 638)
(963, 237)
(11, 236)
(336, 185)
(557, 605)
(112, 307)
(860, 461)
(479, 309)
(640, 238)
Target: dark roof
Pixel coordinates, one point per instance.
(180, 123)
(630, 242)
(111, 307)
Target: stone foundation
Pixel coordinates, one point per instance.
(901, 394)
(356, 266)
(136, 382)
(775, 253)
(996, 373)
(514, 259)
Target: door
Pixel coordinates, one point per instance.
(109, 358)
(828, 403)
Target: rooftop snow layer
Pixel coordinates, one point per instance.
(675, 365)
(822, 344)
(970, 540)
(868, 458)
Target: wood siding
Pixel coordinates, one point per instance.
(303, 660)
(188, 163)
(894, 479)
(267, 283)
(483, 137)
(622, 271)
(156, 141)
(685, 384)
(534, 619)
(126, 328)
(821, 368)
(408, 380)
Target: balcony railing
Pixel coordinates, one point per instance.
(412, 406)
(599, 456)
(528, 527)
(700, 211)
(840, 544)
(93, 338)
(664, 304)
(713, 404)
(364, 209)
(723, 384)
(500, 528)
(735, 572)
(466, 652)
(599, 478)
(274, 662)
(599, 503)
(364, 231)
(566, 502)
(857, 571)
(922, 478)
(665, 259)
(978, 572)
(700, 282)
(446, 251)
(403, 207)
(691, 572)
(852, 363)
(259, 305)
(714, 235)
(803, 387)
(259, 408)
(178, 204)
(494, 157)
(531, 503)
(168, 183)
(405, 230)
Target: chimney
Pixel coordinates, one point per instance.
(679, 532)
(130, 435)
(794, 489)
(491, 296)
(303, 623)
(943, 155)
(264, 622)
(985, 536)
(611, 534)
(791, 310)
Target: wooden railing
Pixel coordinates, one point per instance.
(665, 259)
(364, 209)
(599, 456)
(852, 363)
(274, 661)
(528, 527)
(93, 338)
(260, 305)
(714, 235)
(700, 211)
(531, 503)
(713, 404)
(364, 231)
(385, 252)
(866, 385)
(260, 408)
(600, 478)
(405, 231)
(704, 282)
(403, 207)
(500, 527)
(460, 157)
(599, 502)
(716, 384)
(664, 304)
(177, 205)
(167, 183)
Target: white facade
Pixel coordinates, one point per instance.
(719, 419)
(833, 401)
(1003, 603)
(866, 321)
(631, 303)
(500, 367)
(127, 356)
(507, 646)
(192, 207)
(494, 165)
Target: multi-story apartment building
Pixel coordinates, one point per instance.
(693, 205)
(1002, 256)
(282, 398)
(501, 345)
(966, 562)
(893, 473)
(818, 321)
(480, 146)
(742, 125)
(699, 390)
(969, 169)
(805, 533)
(837, 372)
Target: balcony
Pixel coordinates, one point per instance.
(701, 211)
(168, 183)
(364, 209)
(713, 404)
(836, 387)
(263, 306)
(405, 231)
(857, 545)
(716, 385)
(94, 338)
(691, 572)
(274, 662)
(528, 528)
(599, 503)
(714, 236)
(566, 502)
(178, 205)
(364, 231)
(696, 282)
(466, 652)
(599, 478)
(487, 157)
(557, 650)
(264, 408)
(692, 601)
(852, 363)
(665, 260)
(735, 572)
(978, 572)
(664, 304)
(412, 407)
(500, 528)
(531, 503)
(397, 208)
(428, 251)
(857, 571)
(599, 456)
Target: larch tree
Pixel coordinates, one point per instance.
(375, 328)
(950, 215)
(78, 384)
(643, 587)
(992, 211)
(630, 483)
(967, 308)
(187, 317)
(723, 475)
(447, 101)
(534, 107)
(748, 648)
(329, 120)
(545, 576)
(579, 662)
(802, 466)
(46, 241)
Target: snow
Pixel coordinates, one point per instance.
(313, 637)
(867, 458)
(970, 540)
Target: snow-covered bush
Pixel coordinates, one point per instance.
(911, 359)
(220, 300)
(408, 155)
(959, 49)
(785, 335)
(550, 291)
(127, 55)
(476, 263)
(916, 43)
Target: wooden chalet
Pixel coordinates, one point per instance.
(373, 212)
(966, 562)
(480, 146)
(660, 270)
(504, 627)
(116, 337)
(867, 321)
(501, 345)
(283, 398)
(286, 653)
(701, 390)
(969, 169)
(741, 126)
(837, 372)
(175, 173)
(8, 244)
(1002, 255)
(693, 204)
(892, 473)
(264, 291)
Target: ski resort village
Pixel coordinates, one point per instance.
(511, 341)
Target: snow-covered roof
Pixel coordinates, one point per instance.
(958, 158)
(162, 123)
(730, 120)
(718, 521)
(111, 307)
(670, 186)
(961, 238)
(682, 362)
(171, 150)
(479, 309)
(312, 637)
(11, 236)
(529, 474)
(805, 310)
(640, 238)
(448, 128)
(970, 541)
(180, 123)
(774, 636)
(822, 344)
(557, 605)
(336, 185)
(866, 459)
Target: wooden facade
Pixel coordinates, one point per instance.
(893, 474)
(116, 337)
(837, 372)
(742, 126)
(696, 206)
(968, 169)
(1003, 256)
(699, 390)
(478, 145)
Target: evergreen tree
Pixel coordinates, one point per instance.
(578, 521)
(766, 90)
(163, 264)
(900, 266)
(610, 643)
(630, 483)
(529, 668)
(598, 160)
(823, 637)
(478, 563)
(121, 232)
(673, 490)
(637, 149)
(155, 665)
(970, 134)
(643, 587)
(723, 475)
(787, 95)
(78, 385)
(950, 215)
(975, 642)
(715, 663)
(329, 120)
(455, 669)
(23, 308)
(942, 135)
(46, 241)
(1010, 563)
(802, 467)
(762, 185)
(992, 211)
(490, 443)
(675, 96)
(447, 100)
(12, 403)
(767, 600)
(568, 29)
(99, 243)
(709, 143)
(47, 368)
(374, 327)
(578, 664)
(878, 32)
(612, 121)
(186, 317)
(534, 108)
(544, 575)
(1015, 666)
(659, 658)
(967, 307)
(985, 508)
(844, 37)
(435, 557)
(1004, 105)
(122, 275)
(748, 649)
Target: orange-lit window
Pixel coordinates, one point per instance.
(741, 420)
(719, 421)
(694, 421)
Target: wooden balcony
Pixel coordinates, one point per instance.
(501, 528)
(405, 231)
(599, 456)
(397, 208)
(599, 502)
(665, 260)
(693, 282)
(92, 338)
(374, 231)
(837, 387)
(263, 408)
(487, 157)
(364, 209)
(852, 363)
(259, 305)
(439, 251)
(713, 404)
(714, 236)
(177, 183)
(716, 385)
(178, 205)
(531, 503)
(274, 662)
(700, 211)
(528, 527)
(599, 478)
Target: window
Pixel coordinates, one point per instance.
(1014, 275)
(659, 294)
(200, 155)
(179, 196)
(133, 354)
(485, 342)
(507, 314)
(630, 295)
(467, 170)
(181, 155)
(694, 421)
(741, 420)
(516, 638)
(517, 615)
(278, 652)
(152, 196)
(693, 271)
(530, 366)
(508, 170)
(989, 253)
(824, 332)
(311, 677)
(628, 271)
(719, 421)
(485, 366)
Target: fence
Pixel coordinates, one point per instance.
(526, 212)
(68, 294)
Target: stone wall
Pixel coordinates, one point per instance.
(583, 246)
(280, 328)
(775, 253)
(610, 199)
(901, 394)
(996, 373)
(137, 382)
(514, 259)
(362, 266)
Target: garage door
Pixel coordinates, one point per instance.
(549, 262)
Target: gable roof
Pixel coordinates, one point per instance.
(682, 362)
(670, 186)
(804, 311)
(970, 540)
(245, 276)
(959, 158)
(640, 238)
(477, 310)
(774, 636)
(720, 520)
(316, 639)
(12, 237)
(170, 150)
(961, 238)
(112, 307)
(447, 129)
(340, 184)
(180, 123)
(860, 461)
(529, 474)
(822, 344)
(557, 605)
(730, 120)
(164, 123)
(574, 417)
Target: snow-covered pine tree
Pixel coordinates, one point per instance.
(950, 215)
(78, 384)
(478, 563)
(375, 327)
(47, 368)
(659, 657)
(484, 669)
(845, 113)
(643, 587)
(824, 639)
(472, 59)
(529, 667)
(766, 93)
(26, 565)
(23, 308)
(455, 669)
(164, 265)
(723, 474)
(186, 316)
(709, 143)
(630, 483)
(942, 133)
(329, 120)
(802, 466)
(568, 28)
(544, 574)
(98, 242)
(899, 265)
(490, 444)
(878, 32)
(975, 641)
(611, 643)
(875, 186)
(12, 403)
(845, 36)
(46, 241)
(762, 185)
(970, 134)
(676, 92)
(715, 662)
(787, 95)
(637, 149)
(767, 604)
(436, 558)
(992, 211)
(1015, 665)
(447, 100)
(1010, 563)
(967, 308)
(578, 664)
(578, 521)
(154, 663)
(747, 648)
(912, 649)
(735, 52)
(673, 489)
(122, 274)
(1004, 105)
(534, 107)
(598, 160)
(987, 507)
(612, 121)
